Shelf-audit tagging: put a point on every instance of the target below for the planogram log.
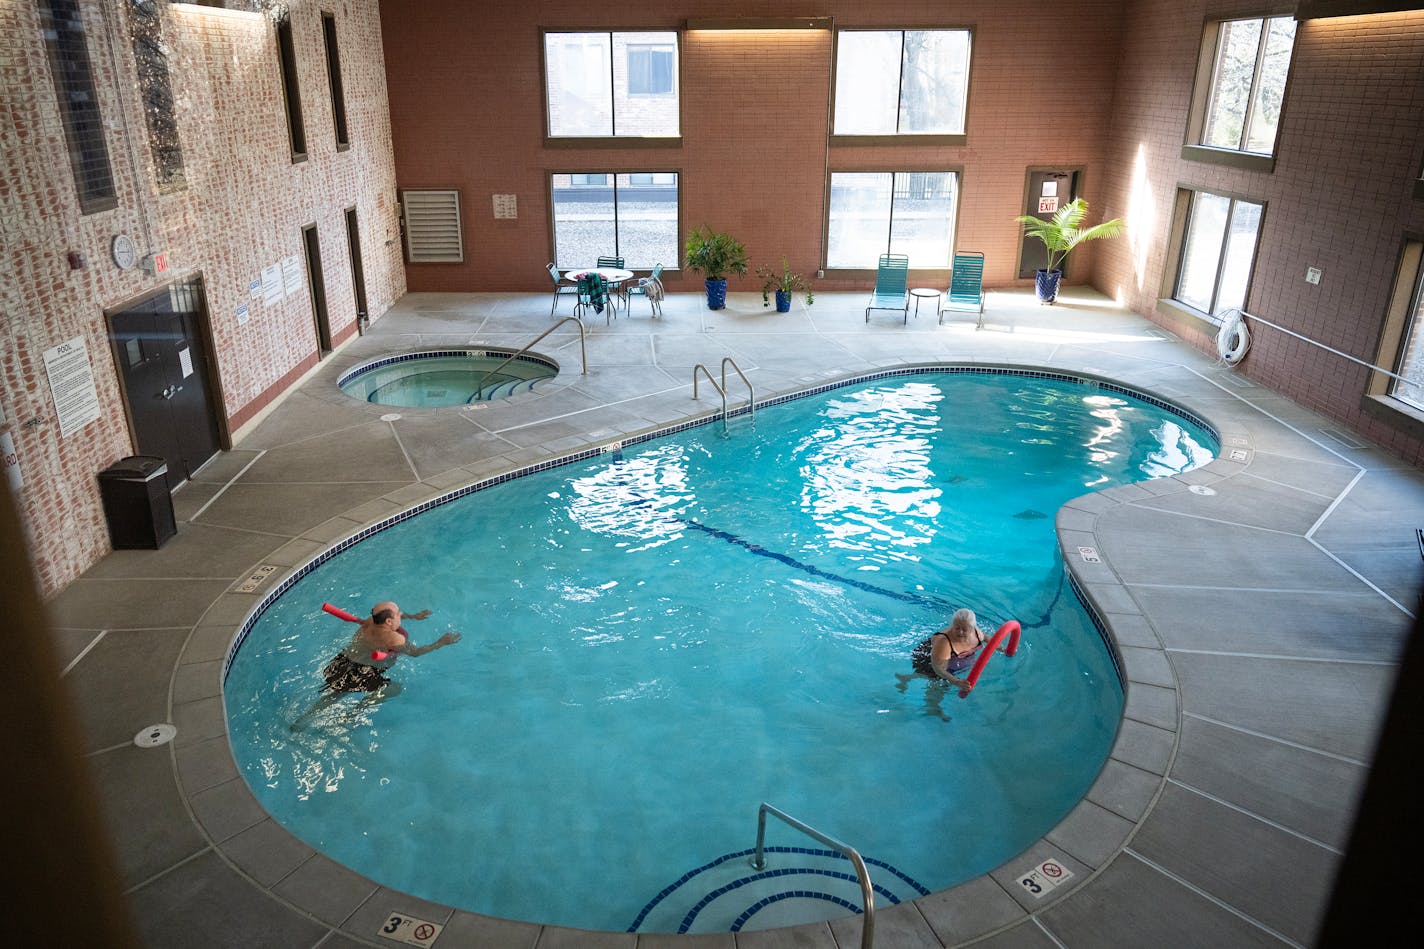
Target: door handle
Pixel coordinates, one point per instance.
(169, 392)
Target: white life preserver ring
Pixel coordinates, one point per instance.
(1233, 340)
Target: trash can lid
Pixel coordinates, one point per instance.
(135, 468)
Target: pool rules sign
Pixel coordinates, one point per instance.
(409, 930)
(71, 385)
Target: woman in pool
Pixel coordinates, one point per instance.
(952, 649)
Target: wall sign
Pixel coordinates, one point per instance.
(506, 207)
(71, 384)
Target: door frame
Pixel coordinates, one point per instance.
(358, 265)
(203, 322)
(316, 287)
(1079, 172)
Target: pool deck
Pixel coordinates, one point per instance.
(1260, 605)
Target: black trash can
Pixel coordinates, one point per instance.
(137, 503)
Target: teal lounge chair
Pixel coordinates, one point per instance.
(966, 286)
(890, 293)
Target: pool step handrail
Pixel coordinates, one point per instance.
(751, 403)
(583, 351)
(758, 861)
(713, 383)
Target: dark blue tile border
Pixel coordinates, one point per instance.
(587, 453)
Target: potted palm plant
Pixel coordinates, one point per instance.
(785, 283)
(1060, 234)
(715, 255)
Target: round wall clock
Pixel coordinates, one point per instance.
(124, 252)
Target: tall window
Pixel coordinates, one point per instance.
(901, 82)
(902, 212)
(1410, 362)
(287, 59)
(1241, 107)
(628, 215)
(333, 72)
(604, 85)
(1218, 250)
(63, 29)
(151, 58)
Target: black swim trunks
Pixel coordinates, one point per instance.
(344, 675)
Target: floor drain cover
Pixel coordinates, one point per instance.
(155, 735)
(1202, 490)
(391, 417)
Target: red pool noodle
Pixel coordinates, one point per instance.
(1011, 630)
(339, 613)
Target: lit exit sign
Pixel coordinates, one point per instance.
(156, 264)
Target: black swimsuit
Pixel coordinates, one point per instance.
(923, 662)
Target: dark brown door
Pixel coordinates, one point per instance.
(358, 272)
(158, 346)
(318, 290)
(1048, 190)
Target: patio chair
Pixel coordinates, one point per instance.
(966, 286)
(890, 293)
(561, 287)
(615, 287)
(651, 287)
(593, 292)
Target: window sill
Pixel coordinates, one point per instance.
(298, 157)
(1232, 159)
(1393, 412)
(1185, 318)
(343, 146)
(851, 141)
(613, 141)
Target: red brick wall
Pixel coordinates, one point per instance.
(467, 113)
(1349, 149)
(242, 208)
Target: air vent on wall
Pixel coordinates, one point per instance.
(432, 227)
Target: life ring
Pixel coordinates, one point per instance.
(1009, 630)
(1232, 340)
(339, 613)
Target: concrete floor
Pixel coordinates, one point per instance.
(1259, 624)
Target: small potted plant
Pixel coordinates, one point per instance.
(785, 283)
(1060, 234)
(715, 255)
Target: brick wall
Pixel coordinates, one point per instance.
(241, 207)
(753, 155)
(1349, 149)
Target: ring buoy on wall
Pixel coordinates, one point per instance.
(1233, 340)
(1009, 630)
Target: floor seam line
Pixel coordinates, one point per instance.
(1254, 816)
(1241, 914)
(223, 490)
(1277, 739)
(1265, 655)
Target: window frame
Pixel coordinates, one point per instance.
(1203, 87)
(1182, 314)
(612, 141)
(333, 79)
(1403, 319)
(291, 87)
(940, 139)
(71, 69)
(669, 267)
(952, 169)
(154, 72)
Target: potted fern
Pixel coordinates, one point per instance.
(1060, 234)
(785, 284)
(715, 255)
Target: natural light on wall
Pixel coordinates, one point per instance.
(1141, 217)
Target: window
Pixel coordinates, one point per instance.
(287, 59)
(903, 212)
(333, 72)
(607, 85)
(151, 58)
(901, 82)
(63, 29)
(633, 216)
(1404, 331)
(1218, 249)
(1244, 63)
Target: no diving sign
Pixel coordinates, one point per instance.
(1044, 877)
(409, 930)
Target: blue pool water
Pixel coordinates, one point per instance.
(435, 379)
(661, 638)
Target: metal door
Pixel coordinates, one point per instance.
(160, 354)
(1047, 191)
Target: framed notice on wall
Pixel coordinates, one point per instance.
(71, 385)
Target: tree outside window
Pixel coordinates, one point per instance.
(1217, 253)
(901, 82)
(1248, 81)
(1410, 365)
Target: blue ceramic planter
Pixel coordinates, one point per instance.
(783, 301)
(1045, 284)
(716, 294)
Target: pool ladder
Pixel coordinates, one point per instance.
(722, 389)
(867, 931)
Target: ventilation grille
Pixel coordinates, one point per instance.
(432, 227)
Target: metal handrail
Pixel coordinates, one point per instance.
(713, 383)
(752, 404)
(583, 349)
(867, 931)
(1315, 342)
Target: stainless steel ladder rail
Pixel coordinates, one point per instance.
(751, 405)
(583, 349)
(867, 931)
(713, 383)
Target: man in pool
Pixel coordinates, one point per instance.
(373, 649)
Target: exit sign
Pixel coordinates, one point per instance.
(156, 264)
